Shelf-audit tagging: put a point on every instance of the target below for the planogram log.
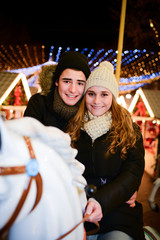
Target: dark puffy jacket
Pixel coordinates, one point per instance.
(41, 108)
(116, 181)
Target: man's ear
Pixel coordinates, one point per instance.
(56, 83)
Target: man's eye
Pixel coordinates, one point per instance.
(81, 83)
(66, 81)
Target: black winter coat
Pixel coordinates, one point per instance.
(116, 181)
(41, 108)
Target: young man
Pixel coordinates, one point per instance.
(63, 100)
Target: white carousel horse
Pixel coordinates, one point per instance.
(57, 174)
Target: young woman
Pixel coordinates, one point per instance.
(110, 146)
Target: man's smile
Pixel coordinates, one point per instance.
(71, 96)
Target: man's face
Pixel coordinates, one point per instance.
(71, 86)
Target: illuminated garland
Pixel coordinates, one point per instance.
(152, 25)
(139, 67)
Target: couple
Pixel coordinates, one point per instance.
(109, 144)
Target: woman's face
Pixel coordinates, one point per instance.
(98, 100)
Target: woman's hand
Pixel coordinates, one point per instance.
(132, 200)
(94, 210)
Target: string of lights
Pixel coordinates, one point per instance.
(156, 33)
(43, 53)
(139, 67)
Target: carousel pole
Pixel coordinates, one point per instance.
(120, 40)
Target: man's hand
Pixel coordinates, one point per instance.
(132, 200)
(93, 208)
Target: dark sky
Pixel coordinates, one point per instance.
(70, 26)
(79, 24)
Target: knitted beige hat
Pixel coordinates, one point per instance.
(103, 76)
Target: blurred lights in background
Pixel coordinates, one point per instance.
(139, 67)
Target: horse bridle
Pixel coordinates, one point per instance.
(32, 170)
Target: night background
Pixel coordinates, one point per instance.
(80, 24)
(31, 34)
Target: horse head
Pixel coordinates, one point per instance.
(60, 205)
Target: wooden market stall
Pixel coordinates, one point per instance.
(145, 109)
(14, 94)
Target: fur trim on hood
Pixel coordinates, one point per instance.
(45, 79)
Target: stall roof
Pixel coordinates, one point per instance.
(151, 99)
(8, 81)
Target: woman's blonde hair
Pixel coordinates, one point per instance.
(122, 133)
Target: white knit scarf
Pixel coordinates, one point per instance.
(97, 126)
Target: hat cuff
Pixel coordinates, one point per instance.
(95, 82)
